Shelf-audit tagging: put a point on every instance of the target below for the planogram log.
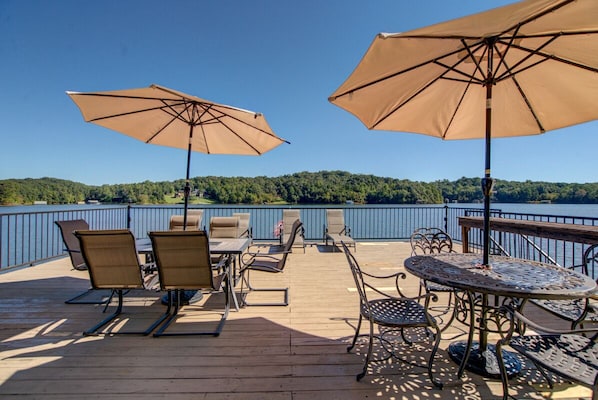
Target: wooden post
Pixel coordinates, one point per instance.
(465, 238)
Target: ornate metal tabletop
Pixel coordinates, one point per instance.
(510, 277)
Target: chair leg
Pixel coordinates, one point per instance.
(357, 328)
(119, 307)
(437, 336)
(245, 279)
(176, 304)
(120, 293)
(368, 354)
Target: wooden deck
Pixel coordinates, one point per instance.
(282, 353)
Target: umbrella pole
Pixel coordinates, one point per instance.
(488, 181)
(187, 185)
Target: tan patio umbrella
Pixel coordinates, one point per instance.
(167, 117)
(522, 69)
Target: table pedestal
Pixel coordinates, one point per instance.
(484, 363)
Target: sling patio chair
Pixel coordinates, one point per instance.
(288, 218)
(272, 262)
(177, 223)
(394, 314)
(244, 228)
(72, 247)
(336, 231)
(183, 261)
(225, 228)
(113, 264)
(435, 241)
(569, 354)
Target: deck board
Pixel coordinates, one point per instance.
(281, 353)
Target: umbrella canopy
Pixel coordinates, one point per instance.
(167, 117)
(521, 69)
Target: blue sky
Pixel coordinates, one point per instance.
(279, 57)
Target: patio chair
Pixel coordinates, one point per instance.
(288, 218)
(435, 241)
(224, 227)
(570, 354)
(183, 262)
(245, 230)
(177, 222)
(113, 264)
(393, 313)
(72, 247)
(272, 262)
(336, 231)
(577, 311)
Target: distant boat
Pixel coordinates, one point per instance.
(95, 202)
(40, 203)
(349, 202)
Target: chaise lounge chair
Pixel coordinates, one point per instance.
(288, 218)
(336, 231)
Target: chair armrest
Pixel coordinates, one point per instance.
(218, 266)
(517, 318)
(395, 277)
(251, 257)
(71, 250)
(347, 231)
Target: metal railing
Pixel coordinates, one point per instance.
(28, 238)
(564, 253)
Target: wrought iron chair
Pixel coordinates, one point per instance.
(336, 230)
(391, 312)
(435, 241)
(113, 264)
(183, 262)
(577, 311)
(72, 247)
(273, 262)
(569, 354)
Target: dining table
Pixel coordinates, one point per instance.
(231, 248)
(484, 289)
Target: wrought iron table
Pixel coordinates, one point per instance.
(485, 289)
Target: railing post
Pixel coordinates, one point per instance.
(446, 217)
(129, 216)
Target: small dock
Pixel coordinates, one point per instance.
(280, 353)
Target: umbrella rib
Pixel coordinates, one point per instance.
(394, 74)
(174, 118)
(455, 111)
(255, 115)
(448, 68)
(128, 112)
(510, 71)
(232, 131)
(528, 104)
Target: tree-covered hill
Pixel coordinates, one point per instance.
(324, 187)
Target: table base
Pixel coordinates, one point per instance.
(485, 363)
